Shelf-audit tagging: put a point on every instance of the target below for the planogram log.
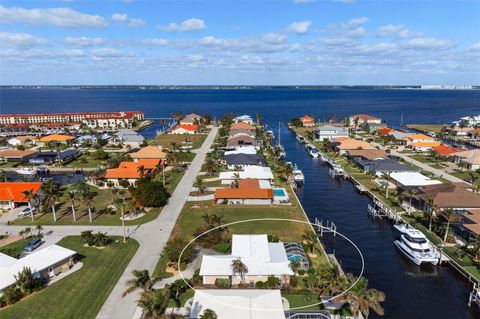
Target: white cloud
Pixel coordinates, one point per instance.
(269, 42)
(23, 40)
(428, 44)
(190, 25)
(391, 30)
(475, 47)
(83, 41)
(109, 53)
(344, 1)
(356, 22)
(61, 17)
(34, 54)
(303, 1)
(121, 17)
(135, 22)
(155, 42)
(299, 27)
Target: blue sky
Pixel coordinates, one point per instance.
(240, 42)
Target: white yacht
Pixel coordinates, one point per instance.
(301, 139)
(415, 246)
(26, 170)
(313, 153)
(298, 176)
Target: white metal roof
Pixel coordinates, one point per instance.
(239, 303)
(413, 179)
(36, 261)
(243, 150)
(261, 258)
(252, 171)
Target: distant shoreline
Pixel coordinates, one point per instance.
(234, 87)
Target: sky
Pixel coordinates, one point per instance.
(269, 42)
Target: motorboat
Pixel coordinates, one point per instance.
(26, 170)
(298, 176)
(416, 247)
(301, 139)
(313, 153)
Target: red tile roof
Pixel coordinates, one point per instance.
(365, 117)
(385, 130)
(444, 150)
(242, 126)
(247, 189)
(12, 191)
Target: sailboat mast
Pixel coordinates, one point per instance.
(279, 134)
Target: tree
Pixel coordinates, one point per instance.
(294, 266)
(26, 282)
(150, 193)
(39, 230)
(87, 198)
(387, 179)
(296, 122)
(411, 193)
(448, 214)
(153, 304)
(29, 196)
(210, 165)
(114, 191)
(141, 280)
(212, 221)
(433, 211)
(208, 314)
(238, 267)
(3, 175)
(287, 172)
(177, 288)
(141, 170)
(72, 195)
(200, 185)
(310, 239)
(174, 248)
(51, 191)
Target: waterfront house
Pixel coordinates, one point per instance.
(307, 121)
(49, 158)
(459, 131)
(184, 129)
(242, 140)
(261, 258)
(456, 196)
(57, 138)
(242, 160)
(407, 180)
(417, 138)
(384, 131)
(399, 135)
(425, 146)
(14, 155)
(469, 226)
(11, 193)
(243, 118)
(191, 119)
(242, 150)
(474, 134)
(343, 144)
(330, 132)
(445, 150)
(130, 171)
(45, 264)
(149, 152)
(383, 166)
(248, 192)
(371, 154)
(373, 127)
(23, 140)
(127, 137)
(470, 158)
(254, 172)
(242, 126)
(238, 303)
(234, 133)
(363, 119)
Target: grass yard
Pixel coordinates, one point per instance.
(16, 248)
(465, 175)
(166, 140)
(86, 161)
(302, 298)
(81, 294)
(426, 128)
(159, 270)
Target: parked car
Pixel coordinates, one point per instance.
(32, 245)
(26, 212)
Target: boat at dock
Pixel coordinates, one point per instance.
(415, 246)
(26, 171)
(298, 176)
(313, 153)
(301, 139)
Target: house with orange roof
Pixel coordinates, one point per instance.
(385, 131)
(191, 119)
(249, 192)
(60, 138)
(425, 146)
(149, 152)
(343, 144)
(184, 129)
(307, 121)
(14, 155)
(130, 171)
(416, 138)
(243, 126)
(474, 134)
(11, 193)
(445, 150)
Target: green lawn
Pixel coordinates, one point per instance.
(434, 128)
(166, 140)
(81, 294)
(16, 248)
(301, 299)
(86, 161)
(465, 175)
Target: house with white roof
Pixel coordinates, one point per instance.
(329, 132)
(238, 303)
(251, 171)
(44, 264)
(244, 118)
(127, 137)
(406, 180)
(261, 258)
(242, 150)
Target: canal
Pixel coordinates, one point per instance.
(436, 292)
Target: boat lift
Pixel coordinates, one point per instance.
(330, 227)
(474, 295)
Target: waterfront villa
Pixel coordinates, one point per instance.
(58, 138)
(242, 150)
(149, 152)
(242, 126)
(425, 146)
(234, 133)
(407, 180)
(456, 196)
(238, 303)
(251, 171)
(474, 134)
(261, 258)
(343, 144)
(14, 155)
(445, 150)
(23, 140)
(127, 137)
(242, 140)
(11, 193)
(330, 132)
(130, 171)
(242, 160)
(416, 138)
(248, 192)
(307, 121)
(470, 158)
(49, 158)
(370, 154)
(184, 129)
(363, 119)
(45, 264)
(243, 118)
(383, 166)
(191, 119)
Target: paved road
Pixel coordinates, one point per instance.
(153, 237)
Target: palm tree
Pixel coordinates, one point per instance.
(50, 195)
(72, 195)
(310, 239)
(122, 203)
(208, 314)
(448, 214)
(88, 197)
(210, 165)
(141, 280)
(29, 196)
(114, 191)
(141, 170)
(387, 179)
(411, 193)
(236, 180)
(3, 175)
(433, 210)
(238, 267)
(177, 288)
(153, 304)
(39, 230)
(294, 266)
(287, 172)
(200, 185)
(362, 299)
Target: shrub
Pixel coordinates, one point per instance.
(150, 193)
(173, 249)
(273, 238)
(101, 184)
(100, 155)
(222, 283)
(98, 240)
(26, 282)
(293, 281)
(260, 285)
(301, 272)
(223, 247)
(272, 282)
(110, 184)
(11, 295)
(124, 183)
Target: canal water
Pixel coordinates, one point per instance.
(435, 292)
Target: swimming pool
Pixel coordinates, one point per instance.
(279, 192)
